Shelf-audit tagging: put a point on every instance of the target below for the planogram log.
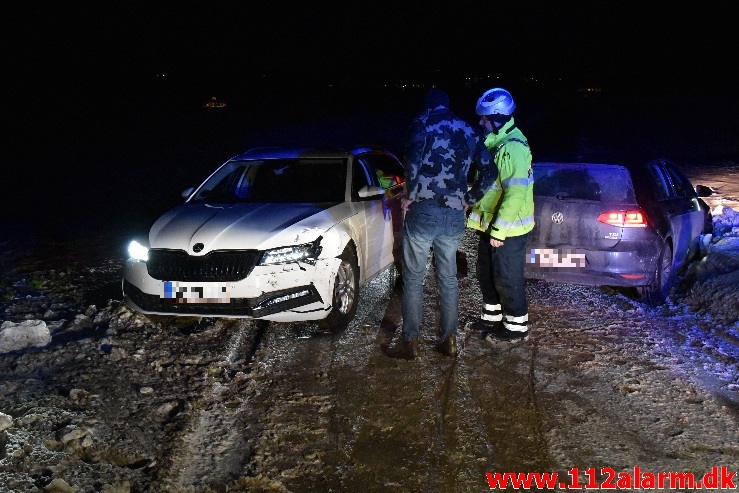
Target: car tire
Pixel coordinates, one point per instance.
(655, 293)
(345, 293)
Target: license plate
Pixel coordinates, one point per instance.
(556, 258)
(204, 292)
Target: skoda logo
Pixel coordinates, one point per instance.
(198, 247)
(557, 218)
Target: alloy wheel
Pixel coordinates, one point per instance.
(344, 290)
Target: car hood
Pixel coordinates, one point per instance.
(242, 226)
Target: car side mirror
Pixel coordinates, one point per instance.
(703, 191)
(370, 191)
(187, 192)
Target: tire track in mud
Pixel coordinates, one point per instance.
(295, 447)
(429, 431)
(307, 436)
(461, 438)
(213, 448)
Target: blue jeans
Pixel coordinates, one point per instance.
(428, 226)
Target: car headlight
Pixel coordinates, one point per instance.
(138, 252)
(307, 252)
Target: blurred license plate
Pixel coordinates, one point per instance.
(556, 258)
(203, 292)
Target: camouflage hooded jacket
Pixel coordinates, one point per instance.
(439, 152)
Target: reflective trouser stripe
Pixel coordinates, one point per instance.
(491, 313)
(516, 324)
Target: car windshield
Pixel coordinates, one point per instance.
(299, 180)
(602, 183)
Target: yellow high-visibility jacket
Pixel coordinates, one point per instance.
(507, 209)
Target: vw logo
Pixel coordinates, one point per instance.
(198, 247)
(558, 218)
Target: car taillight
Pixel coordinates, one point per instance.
(624, 219)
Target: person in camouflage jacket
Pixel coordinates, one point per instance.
(440, 150)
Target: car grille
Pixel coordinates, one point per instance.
(177, 265)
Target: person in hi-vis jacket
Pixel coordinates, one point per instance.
(503, 218)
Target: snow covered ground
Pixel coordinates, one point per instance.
(715, 279)
(609, 382)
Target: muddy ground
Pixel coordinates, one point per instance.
(120, 402)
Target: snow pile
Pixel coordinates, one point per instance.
(725, 221)
(716, 276)
(29, 333)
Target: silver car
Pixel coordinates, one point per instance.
(276, 234)
(615, 224)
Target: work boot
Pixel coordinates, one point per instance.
(409, 350)
(480, 325)
(487, 329)
(505, 335)
(448, 346)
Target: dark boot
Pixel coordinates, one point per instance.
(448, 346)
(506, 335)
(409, 350)
(480, 325)
(486, 329)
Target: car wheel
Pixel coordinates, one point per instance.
(345, 293)
(656, 292)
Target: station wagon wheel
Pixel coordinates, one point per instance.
(345, 293)
(656, 292)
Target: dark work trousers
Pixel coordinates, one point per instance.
(501, 278)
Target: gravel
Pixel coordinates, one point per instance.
(120, 402)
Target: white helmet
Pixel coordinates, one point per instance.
(495, 101)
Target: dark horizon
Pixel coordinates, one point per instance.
(105, 102)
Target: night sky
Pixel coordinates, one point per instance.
(104, 99)
(232, 38)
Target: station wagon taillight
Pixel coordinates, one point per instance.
(624, 219)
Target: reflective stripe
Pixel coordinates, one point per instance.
(515, 328)
(518, 181)
(492, 313)
(478, 218)
(502, 223)
(517, 320)
(516, 324)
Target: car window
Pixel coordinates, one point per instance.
(679, 182)
(389, 171)
(277, 180)
(598, 183)
(662, 187)
(360, 178)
